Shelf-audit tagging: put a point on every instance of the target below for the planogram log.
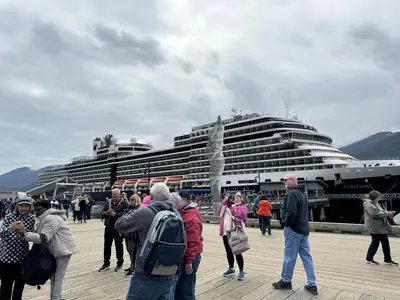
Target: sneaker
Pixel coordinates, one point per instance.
(127, 270)
(280, 285)
(229, 273)
(118, 267)
(241, 276)
(391, 263)
(104, 267)
(129, 273)
(371, 262)
(312, 289)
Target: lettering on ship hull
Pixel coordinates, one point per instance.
(356, 186)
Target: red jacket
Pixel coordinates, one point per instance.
(194, 230)
(264, 208)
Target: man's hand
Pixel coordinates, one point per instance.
(188, 269)
(112, 214)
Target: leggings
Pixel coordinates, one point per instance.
(231, 257)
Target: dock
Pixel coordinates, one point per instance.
(339, 264)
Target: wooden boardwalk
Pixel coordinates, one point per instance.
(339, 261)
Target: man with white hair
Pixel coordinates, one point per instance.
(144, 285)
(294, 215)
(112, 211)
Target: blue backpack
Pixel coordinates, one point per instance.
(163, 250)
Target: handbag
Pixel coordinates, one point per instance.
(238, 240)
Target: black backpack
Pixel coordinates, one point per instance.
(38, 266)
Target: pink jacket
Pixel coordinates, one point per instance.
(239, 211)
(146, 202)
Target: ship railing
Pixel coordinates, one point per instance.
(379, 159)
(387, 196)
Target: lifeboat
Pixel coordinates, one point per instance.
(130, 182)
(158, 180)
(176, 179)
(143, 181)
(118, 184)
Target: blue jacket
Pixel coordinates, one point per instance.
(256, 202)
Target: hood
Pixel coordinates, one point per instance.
(191, 205)
(146, 202)
(52, 211)
(300, 187)
(163, 204)
(367, 202)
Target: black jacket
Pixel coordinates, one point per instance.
(294, 211)
(119, 208)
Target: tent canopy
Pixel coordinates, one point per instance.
(51, 189)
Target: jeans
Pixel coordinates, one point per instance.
(11, 281)
(76, 215)
(56, 281)
(186, 285)
(150, 287)
(296, 243)
(265, 223)
(111, 235)
(373, 247)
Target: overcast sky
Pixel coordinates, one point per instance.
(74, 70)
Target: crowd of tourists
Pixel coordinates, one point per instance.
(163, 235)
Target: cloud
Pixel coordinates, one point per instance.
(71, 71)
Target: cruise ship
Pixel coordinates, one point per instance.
(258, 149)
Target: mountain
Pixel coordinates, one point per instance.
(380, 145)
(21, 179)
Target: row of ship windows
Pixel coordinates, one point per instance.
(260, 165)
(307, 136)
(266, 159)
(168, 160)
(161, 174)
(203, 166)
(247, 152)
(206, 176)
(254, 154)
(243, 131)
(205, 169)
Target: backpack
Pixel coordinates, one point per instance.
(38, 266)
(163, 250)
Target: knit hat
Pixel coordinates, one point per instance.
(184, 194)
(23, 198)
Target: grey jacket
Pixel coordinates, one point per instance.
(139, 222)
(375, 218)
(53, 227)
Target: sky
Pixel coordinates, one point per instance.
(74, 70)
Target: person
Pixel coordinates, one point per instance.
(294, 214)
(112, 211)
(264, 213)
(14, 248)
(256, 203)
(52, 228)
(76, 209)
(377, 224)
(144, 286)
(186, 286)
(146, 201)
(83, 207)
(130, 240)
(238, 213)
